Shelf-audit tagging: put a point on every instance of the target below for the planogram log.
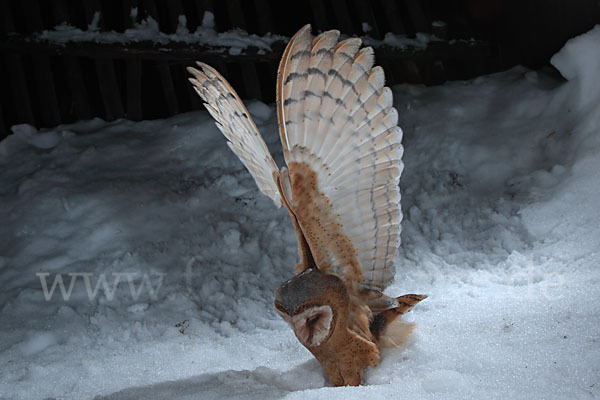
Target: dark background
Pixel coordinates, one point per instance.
(46, 85)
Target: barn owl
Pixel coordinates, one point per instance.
(343, 151)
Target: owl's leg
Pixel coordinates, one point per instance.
(344, 372)
(333, 372)
(351, 376)
(362, 354)
(345, 360)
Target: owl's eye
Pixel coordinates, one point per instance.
(313, 320)
(313, 325)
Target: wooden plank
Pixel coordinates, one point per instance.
(192, 52)
(249, 73)
(168, 88)
(187, 98)
(90, 8)
(77, 87)
(164, 72)
(18, 85)
(319, 12)
(133, 71)
(6, 102)
(112, 18)
(223, 69)
(438, 72)
(175, 10)
(410, 71)
(251, 80)
(265, 16)
(271, 69)
(76, 84)
(417, 16)
(343, 17)
(3, 127)
(60, 12)
(14, 76)
(105, 71)
(43, 78)
(236, 14)
(392, 16)
(33, 21)
(134, 89)
(390, 70)
(431, 71)
(135, 50)
(150, 9)
(109, 88)
(201, 7)
(364, 9)
(6, 19)
(127, 6)
(195, 101)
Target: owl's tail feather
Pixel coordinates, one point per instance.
(388, 329)
(406, 303)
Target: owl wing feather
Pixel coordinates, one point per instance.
(343, 149)
(234, 121)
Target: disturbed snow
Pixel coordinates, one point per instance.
(501, 229)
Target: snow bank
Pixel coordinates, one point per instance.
(138, 260)
(578, 62)
(403, 42)
(236, 41)
(568, 218)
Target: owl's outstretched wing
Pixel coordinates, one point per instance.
(223, 103)
(343, 149)
(232, 118)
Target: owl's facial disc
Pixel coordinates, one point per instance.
(302, 302)
(313, 325)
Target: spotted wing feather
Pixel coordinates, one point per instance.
(343, 149)
(233, 119)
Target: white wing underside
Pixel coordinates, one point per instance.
(233, 119)
(337, 116)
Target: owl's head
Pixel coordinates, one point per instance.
(312, 303)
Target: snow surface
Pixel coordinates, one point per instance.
(402, 42)
(236, 40)
(501, 229)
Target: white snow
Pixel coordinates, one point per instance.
(404, 42)
(502, 230)
(236, 40)
(38, 343)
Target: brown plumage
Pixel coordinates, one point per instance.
(343, 151)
